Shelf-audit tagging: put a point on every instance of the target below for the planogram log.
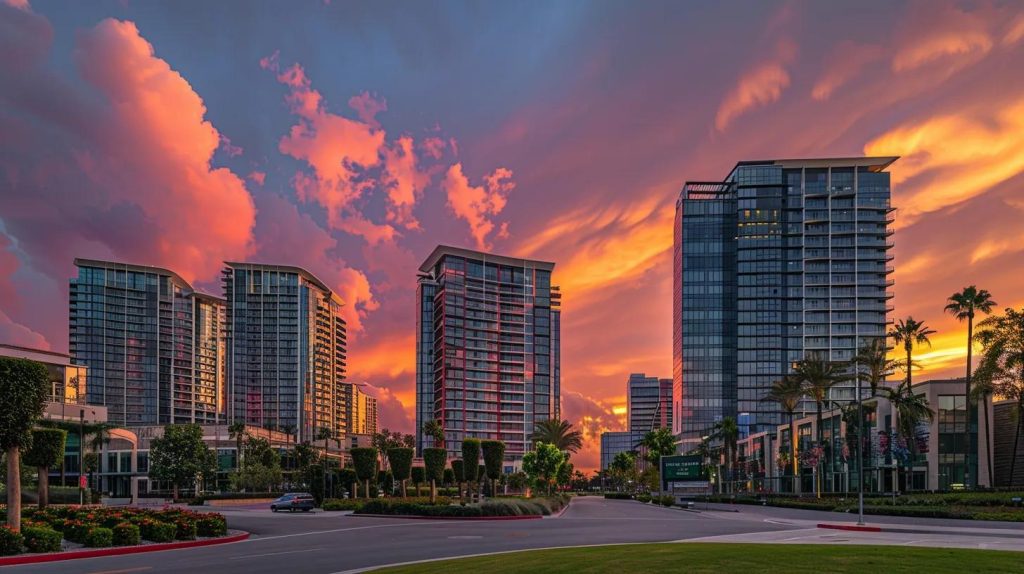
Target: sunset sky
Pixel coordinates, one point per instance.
(351, 138)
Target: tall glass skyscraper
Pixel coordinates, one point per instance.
(487, 346)
(154, 346)
(649, 403)
(286, 350)
(781, 259)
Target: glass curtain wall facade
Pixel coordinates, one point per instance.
(286, 350)
(153, 345)
(801, 267)
(491, 326)
(612, 443)
(649, 404)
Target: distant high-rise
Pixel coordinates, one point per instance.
(154, 346)
(781, 259)
(286, 350)
(370, 425)
(649, 403)
(362, 411)
(487, 346)
(612, 443)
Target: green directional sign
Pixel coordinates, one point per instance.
(681, 467)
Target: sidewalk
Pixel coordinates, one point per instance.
(966, 530)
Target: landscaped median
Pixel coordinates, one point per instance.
(493, 508)
(66, 532)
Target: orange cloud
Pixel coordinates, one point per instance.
(948, 159)
(1015, 31)
(845, 63)
(476, 204)
(367, 107)
(758, 87)
(591, 417)
(403, 181)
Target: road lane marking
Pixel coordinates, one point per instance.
(248, 556)
(412, 523)
(124, 571)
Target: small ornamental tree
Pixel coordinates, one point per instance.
(470, 463)
(448, 477)
(419, 476)
(365, 461)
(434, 460)
(494, 458)
(24, 388)
(542, 464)
(347, 477)
(457, 474)
(47, 451)
(400, 460)
(180, 455)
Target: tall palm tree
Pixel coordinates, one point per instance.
(236, 431)
(787, 392)
(558, 433)
(435, 430)
(874, 364)
(910, 409)
(1002, 364)
(963, 305)
(728, 432)
(817, 375)
(910, 333)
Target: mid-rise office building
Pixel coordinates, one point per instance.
(154, 346)
(780, 259)
(649, 403)
(286, 350)
(612, 443)
(488, 345)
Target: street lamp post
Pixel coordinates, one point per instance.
(860, 446)
(81, 455)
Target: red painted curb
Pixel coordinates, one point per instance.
(851, 527)
(118, 551)
(414, 517)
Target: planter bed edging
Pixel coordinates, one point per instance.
(118, 550)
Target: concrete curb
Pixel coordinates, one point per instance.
(939, 530)
(415, 517)
(119, 550)
(851, 527)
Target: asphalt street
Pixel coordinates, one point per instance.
(332, 543)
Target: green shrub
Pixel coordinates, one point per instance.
(157, 531)
(185, 528)
(76, 530)
(41, 539)
(211, 525)
(99, 537)
(11, 542)
(618, 496)
(126, 534)
(667, 500)
(645, 498)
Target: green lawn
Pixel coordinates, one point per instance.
(729, 558)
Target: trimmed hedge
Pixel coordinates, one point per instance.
(542, 506)
(645, 498)
(41, 539)
(667, 500)
(99, 537)
(211, 526)
(157, 531)
(126, 534)
(11, 542)
(618, 496)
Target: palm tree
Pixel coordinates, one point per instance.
(658, 443)
(728, 432)
(874, 364)
(817, 376)
(910, 410)
(910, 333)
(236, 431)
(558, 433)
(1002, 364)
(963, 305)
(787, 392)
(435, 430)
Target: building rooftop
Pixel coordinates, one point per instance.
(442, 250)
(34, 354)
(118, 266)
(879, 163)
(288, 269)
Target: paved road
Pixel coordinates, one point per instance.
(327, 542)
(332, 543)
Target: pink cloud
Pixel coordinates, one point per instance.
(433, 147)
(844, 64)
(757, 87)
(367, 107)
(403, 181)
(477, 204)
(231, 150)
(257, 177)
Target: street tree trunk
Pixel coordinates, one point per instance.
(967, 403)
(14, 489)
(433, 491)
(367, 489)
(175, 491)
(44, 486)
(403, 489)
(988, 443)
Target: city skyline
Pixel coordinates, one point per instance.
(353, 148)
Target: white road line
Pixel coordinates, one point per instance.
(248, 556)
(413, 523)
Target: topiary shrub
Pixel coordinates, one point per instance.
(157, 531)
(126, 534)
(99, 537)
(364, 459)
(470, 459)
(211, 525)
(41, 539)
(11, 542)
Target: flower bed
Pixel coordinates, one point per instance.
(358, 503)
(59, 528)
